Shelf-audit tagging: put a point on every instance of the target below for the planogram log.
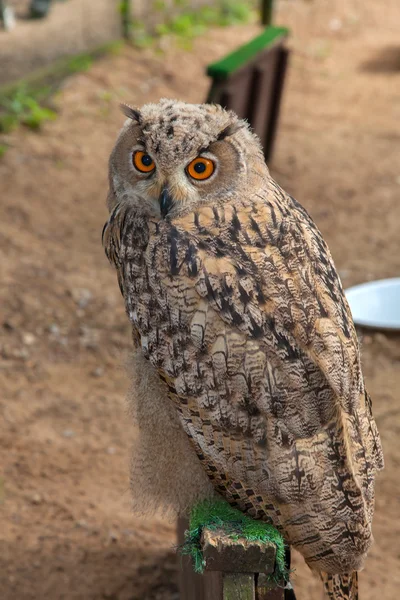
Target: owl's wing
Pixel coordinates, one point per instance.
(255, 340)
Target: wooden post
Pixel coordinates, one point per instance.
(235, 569)
(7, 17)
(267, 9)
(238, 586)
(126, 18)
(250, 82)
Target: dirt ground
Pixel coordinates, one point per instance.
(66, 530)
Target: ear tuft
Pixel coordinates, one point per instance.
(230, 130)
(131, 113)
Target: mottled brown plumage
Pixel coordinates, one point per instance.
(236, 303)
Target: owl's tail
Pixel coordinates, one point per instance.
(341, 587)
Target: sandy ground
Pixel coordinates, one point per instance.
(67, 531)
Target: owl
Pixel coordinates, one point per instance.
(247, 380)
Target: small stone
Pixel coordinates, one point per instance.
(36, 498)
(54, 329)
(95, 532)
(128, 532)
(28, 339)
(335, 24)
(97, 372)
(82, 296)
(113, 536)
(20, 353)
(111, 450)
(381, 338)
(81, 524)
(88, 337)
(68, 433)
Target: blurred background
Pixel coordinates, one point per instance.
(67, 530)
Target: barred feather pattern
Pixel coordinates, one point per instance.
(341, 587)
(239, 307)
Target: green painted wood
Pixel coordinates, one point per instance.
(240, 57)
(238, 586)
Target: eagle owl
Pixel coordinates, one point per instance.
(247, 376)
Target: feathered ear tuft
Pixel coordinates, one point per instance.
(131, 113)
(230, 130)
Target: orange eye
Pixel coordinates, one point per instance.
(201, 168)
(143, 162)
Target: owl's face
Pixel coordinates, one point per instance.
(171, 157)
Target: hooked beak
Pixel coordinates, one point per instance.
(166, 201)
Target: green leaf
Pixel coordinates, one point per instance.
(8, 122)
(80, 63)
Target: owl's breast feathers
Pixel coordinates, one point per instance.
(240, 308)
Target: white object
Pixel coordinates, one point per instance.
(335, 24)
(376, 304)
(8, 18)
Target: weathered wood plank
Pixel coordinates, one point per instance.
(238, 586)
(222, 553)
(267, 590)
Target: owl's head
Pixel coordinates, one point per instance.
(172, 156)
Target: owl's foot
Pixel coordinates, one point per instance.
(218, 514)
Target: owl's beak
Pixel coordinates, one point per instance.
(166, 201)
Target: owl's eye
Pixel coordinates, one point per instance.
(143, 162)
(201, 168)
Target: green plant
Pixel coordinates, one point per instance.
(233, 12)
(125, 12)
(79, 63)
(8, 122)
(189, 23)
(159, 5)
(114, 48)
(23, 106)
(140, 36)
(3, 150)
(26, 102)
